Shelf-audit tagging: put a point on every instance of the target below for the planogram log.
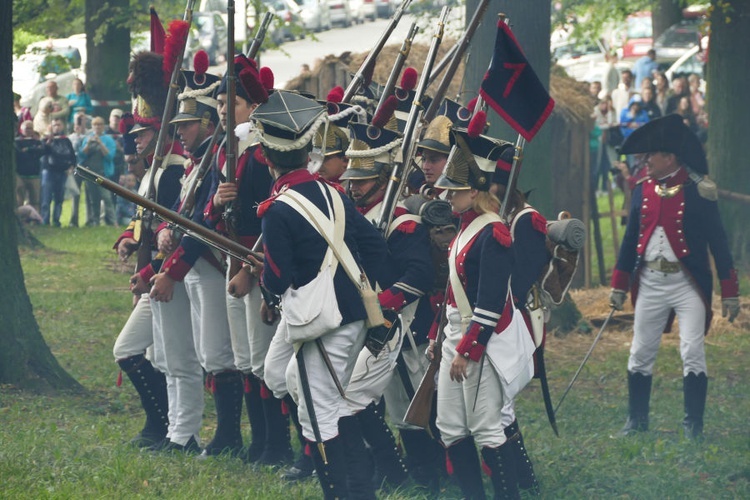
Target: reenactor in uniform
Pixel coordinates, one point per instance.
(674, 221)
(469, 403)
(269, 423)
(146, 82)
(294, 252)
(330, 143)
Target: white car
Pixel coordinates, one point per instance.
(340, 12)
(30, 83)
(578, 59)
(315, 15)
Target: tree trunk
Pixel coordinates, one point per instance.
(108, 49)
(530, 22)
(729, 114)
(664, 14)
(24, 356)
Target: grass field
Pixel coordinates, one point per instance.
(73, 446)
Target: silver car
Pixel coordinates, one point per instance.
(315, 14)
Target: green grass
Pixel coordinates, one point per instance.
(73, 446)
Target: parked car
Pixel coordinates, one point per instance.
(578, 58)
(359, 11)
(287, 23)
(208, 32)
(31, 73)
(340, 12)
(315, 14)
(638, 35)
(384, 8)
(367, 9)
(677, 40)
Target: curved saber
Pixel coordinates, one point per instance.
(585, 358)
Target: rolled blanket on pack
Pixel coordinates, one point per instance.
(571, 233)
(437, 213)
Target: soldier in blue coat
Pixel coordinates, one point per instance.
(294, 253)
(674, 221)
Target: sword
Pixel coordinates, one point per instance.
(329, 365)
(545, 389)
(403, 373)
(585, 358)
(309, 403)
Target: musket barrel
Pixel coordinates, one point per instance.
(399, 64)
(260, 35)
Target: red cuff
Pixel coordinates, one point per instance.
(432, 335)
(470, 347)
(436, 300)
(620, 280)
(126, 234)
(390, 300)
(147, 273)
(212, 213)
(175, 267)
(730, 287)
(162, 226)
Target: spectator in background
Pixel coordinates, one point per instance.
(43, 117)
(679, 90)
(595, 88)
(125, 209)
(96, 153)
(605, 120)
(61, 107)
(113, 127)
(76, 138)
(611, 75)
(661, 92)
(79, 101)
(633, 116)
(623, 93)
(697, 101)
(648, 103)
(22, 112)
(29, 151)
(685, 110)
(59, 157)
(645, 67)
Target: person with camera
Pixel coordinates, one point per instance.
(59, 156)
(97, 153)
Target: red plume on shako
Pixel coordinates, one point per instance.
(177, 33)
(335, 95)
(477, 124)
(384, 114)
(267, 77)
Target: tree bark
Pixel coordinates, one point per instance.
(530, 22)
(729, 114)
(25, 358)
(664, 14)
(108, 49)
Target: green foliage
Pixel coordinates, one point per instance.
(22, 39)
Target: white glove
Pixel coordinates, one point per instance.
(617, 298)
(730, 306)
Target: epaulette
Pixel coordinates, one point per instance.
(258, 155)
(265, 205)
(538, 222)
(407, 227)
(501, 234)
(708, 189)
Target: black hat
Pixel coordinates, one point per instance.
(504, 164)
(471, 162)
(149, 85)
(287, 123)
(370, 151)
(669, 135)
(197, 101)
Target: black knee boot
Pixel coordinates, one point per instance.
(389, 467)
(524, 467)
(331, 471)
(228, 389)
(466, 467)
(358, 465)
(639, 395)
(304, 466)
(151, 385)
(424, 458)
(694, 387)
(278, 449)
(254, 405)
(502, 464)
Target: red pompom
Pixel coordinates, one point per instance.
(472, 104)
(177, 33)
(477, 124)
(266, 77)
(335, 95)
(126, 123)
(409, 79)
(385, 112)
(200, 62)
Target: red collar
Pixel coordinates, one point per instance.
(680, 177)
(363, 210)
(467, 218)
(298, 176)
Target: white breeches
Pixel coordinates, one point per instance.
(137, 336)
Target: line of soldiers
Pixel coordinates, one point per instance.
(310, 182)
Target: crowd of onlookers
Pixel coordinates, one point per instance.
(629, 98)
(60, 135)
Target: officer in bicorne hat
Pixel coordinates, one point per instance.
(674, 221)
(294, 253)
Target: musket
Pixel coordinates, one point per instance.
(185, 225)
(411, 131)
(403, 53)
(461, 46)
(441, 65)
(260, 35)
(189, 202)
(144, 248)
(369, 63)
(585, 358)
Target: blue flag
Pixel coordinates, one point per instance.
(512, 88)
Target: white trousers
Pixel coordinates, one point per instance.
(457, 417)
(342, 345)
(174, 354)
(658, 294)
(237, 317)
(206, 290)
(137, 336)
(278, 358)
